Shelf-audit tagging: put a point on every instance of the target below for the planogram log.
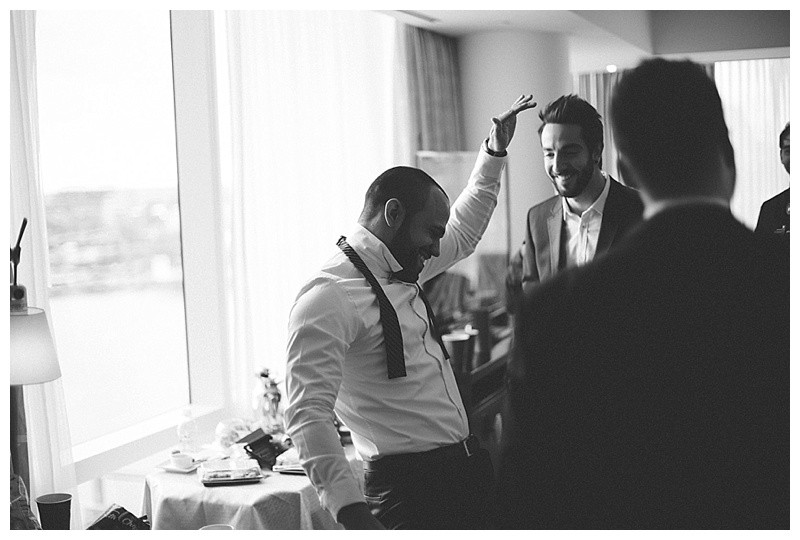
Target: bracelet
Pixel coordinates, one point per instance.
(491, 152)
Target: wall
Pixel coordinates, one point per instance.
(633, 26)
(690, 31)
(496, 67)
(702, 36)
(593, 54)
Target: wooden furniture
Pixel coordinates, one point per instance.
(483, 388)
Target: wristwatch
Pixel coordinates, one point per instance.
(491, 152)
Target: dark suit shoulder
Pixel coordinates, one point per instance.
(774, 214)
(680, 331)
(780, 199)
(628, 197)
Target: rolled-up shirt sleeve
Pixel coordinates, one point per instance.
(322, 324)
(469, 215)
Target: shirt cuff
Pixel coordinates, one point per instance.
(341, 493)
(487, 168)
(491, 152)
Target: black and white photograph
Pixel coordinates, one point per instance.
(331, 267)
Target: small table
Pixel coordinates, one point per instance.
(279, 501)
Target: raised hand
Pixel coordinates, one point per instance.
(503, 126)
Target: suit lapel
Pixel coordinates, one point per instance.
(554, 235)
(545, 230)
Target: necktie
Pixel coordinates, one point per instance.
(432, 321)
(392, 335)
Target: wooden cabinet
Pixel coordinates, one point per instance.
(483, 393)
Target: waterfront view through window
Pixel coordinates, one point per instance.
(109, 176)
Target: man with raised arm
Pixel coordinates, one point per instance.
(362, 345)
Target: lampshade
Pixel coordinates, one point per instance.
(33, 353)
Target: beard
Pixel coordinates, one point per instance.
(581, 180)
(405, 254)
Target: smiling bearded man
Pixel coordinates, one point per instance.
(591, 211)
(362, 346)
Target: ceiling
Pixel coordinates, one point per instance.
(457, 23)
(591, 45)
(701, 34)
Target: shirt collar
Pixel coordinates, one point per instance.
(373, 252)
(655, 207)
(598, 205)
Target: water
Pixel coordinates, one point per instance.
(123, 357)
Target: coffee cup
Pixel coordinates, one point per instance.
(54, 510)
(181, 460)
(457, 346)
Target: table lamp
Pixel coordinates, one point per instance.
(33, 360)
(33, 353)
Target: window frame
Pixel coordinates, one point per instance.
(199, 193)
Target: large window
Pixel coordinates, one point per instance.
(130, 179)
(129, 166)
(109, 174)
(143, 261)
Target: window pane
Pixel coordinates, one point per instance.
(108, 169)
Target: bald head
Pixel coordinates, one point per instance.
(408, 211)
(408, 185)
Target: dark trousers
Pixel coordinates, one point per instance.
(433, 491)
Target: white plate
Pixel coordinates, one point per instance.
(291, 469)
(230, 472)
(169, 467)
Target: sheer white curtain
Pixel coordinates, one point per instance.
(310, 123)
(596, 88)
(755, 98)
(49, 445)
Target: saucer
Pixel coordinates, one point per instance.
(168, 466)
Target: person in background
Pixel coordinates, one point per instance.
(649, 389)
(362, 343)
(773, 219)
(591, 211)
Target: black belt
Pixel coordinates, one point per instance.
(456, 451)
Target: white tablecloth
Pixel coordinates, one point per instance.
(279, 501)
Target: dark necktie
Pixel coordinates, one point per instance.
(392, 335)
(432, 321)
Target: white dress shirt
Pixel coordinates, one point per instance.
(582, 231)
(336, 358)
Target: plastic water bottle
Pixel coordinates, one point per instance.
(187, 432)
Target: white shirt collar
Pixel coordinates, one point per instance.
(598, 205)
(655, 207)
(376, 254)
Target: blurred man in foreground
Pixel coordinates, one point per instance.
(650, 388)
